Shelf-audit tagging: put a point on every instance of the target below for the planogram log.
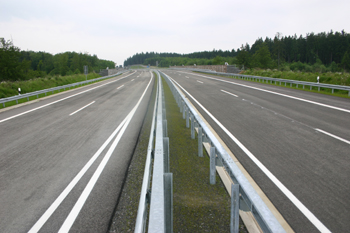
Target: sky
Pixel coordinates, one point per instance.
(115, 30)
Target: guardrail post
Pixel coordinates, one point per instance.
(200, 141)
(168, 202)
(165, 128)
(234, 223)
(187, 118)
(212, 166)
(166, 154)
(318, 88)
(193, 136)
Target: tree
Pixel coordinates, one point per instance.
(10, 66)
(346, 61)
(262, 57)
(243, 58)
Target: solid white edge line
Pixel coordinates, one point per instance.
(333, 136)
(85, 194)
(307, 213)
(229, 93)
(37, 226)
(275, 93)
(42, 220)
(43, 106)
(81, 108)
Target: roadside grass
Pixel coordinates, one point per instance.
(197, 205)
(336, 78)
(8, 89)
(325, 91)
(137, 67)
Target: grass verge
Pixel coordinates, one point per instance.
(197, 205)
(8, 89)
(325, 91)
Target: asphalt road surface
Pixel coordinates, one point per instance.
(301, 139)
(63, 159)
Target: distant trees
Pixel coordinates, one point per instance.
(19, 65)
(322, 51)
(10, 66)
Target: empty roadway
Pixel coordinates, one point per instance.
(301, 138)
(46, 144)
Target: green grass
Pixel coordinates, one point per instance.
(137, 67)
(8, 89)
(335, 78)
(328, 78)
(198, 206)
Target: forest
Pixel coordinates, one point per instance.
(18, 65)
(320, 52)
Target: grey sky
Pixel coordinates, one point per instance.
(115, 30)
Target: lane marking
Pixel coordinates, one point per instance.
(43, 219)
(229, 93)
(81, 108)
(54, 102)
(85, 194)
(132, 80)
(37, 226)
(307, 213)
(186, 77)
(199, 81)
(120, 87)
(276, 93)
(334, 136)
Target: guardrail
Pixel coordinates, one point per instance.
(160, 195)
(280, 80)
(37, 93)
(248, 197)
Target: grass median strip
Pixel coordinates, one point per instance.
(197, 205)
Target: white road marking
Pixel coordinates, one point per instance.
(120, 86)
(83, 197)
(276, 93)
(132, 80)
(186, 77)
(308, 214)
(38, 225)
(199, 81)
(229, 93)
(334, 136)
(43, 106)
(81, 108)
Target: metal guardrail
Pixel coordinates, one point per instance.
(280, 80)
(249, 198)
(160, 195)
(37, 93)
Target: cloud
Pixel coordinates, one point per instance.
(115, 30)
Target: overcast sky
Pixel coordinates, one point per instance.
(115, 30)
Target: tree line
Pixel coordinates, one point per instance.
(323, 51)
(23, 65)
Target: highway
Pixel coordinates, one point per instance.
(63, 159)
(295, 144)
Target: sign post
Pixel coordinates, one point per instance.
(86, 71)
